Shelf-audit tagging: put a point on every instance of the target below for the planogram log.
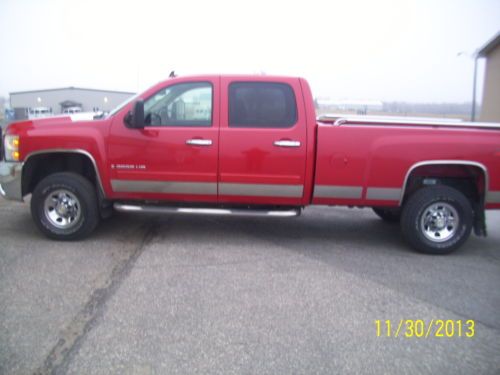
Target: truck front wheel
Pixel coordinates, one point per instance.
(437, 220)
(64, 206)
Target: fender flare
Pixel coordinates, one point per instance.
(447, 162)
(71, 151)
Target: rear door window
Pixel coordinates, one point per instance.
(261, 105)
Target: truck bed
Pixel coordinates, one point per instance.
(367, 161)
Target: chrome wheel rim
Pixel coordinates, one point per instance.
(439, 222)
(62, 209)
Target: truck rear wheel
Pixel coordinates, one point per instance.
(437, 220)
(64, 206)
(391, 215)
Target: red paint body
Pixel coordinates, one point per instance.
(362, 155)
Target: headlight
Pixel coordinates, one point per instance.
(11, 146)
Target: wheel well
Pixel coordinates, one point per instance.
(470, 180)
(40, 166)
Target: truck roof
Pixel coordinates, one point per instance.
(260, 77)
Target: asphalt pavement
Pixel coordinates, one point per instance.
(150, 294)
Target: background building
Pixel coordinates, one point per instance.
(56, 100)
(490, 109)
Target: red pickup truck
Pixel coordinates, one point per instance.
(252, 145)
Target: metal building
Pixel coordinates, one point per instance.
(490, 109)
(55, 101)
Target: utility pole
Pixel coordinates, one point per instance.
(474, 84)
(475, 56)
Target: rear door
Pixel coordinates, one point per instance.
(262, 142)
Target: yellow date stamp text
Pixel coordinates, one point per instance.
(419, 328)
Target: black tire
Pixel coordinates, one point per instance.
(80, 194)
(391, 215)
(421, 215)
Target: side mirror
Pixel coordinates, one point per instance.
(135, 118)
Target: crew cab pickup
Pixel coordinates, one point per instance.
(252, 145)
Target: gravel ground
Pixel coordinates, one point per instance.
(205, 295)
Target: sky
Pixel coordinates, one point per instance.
(390, 50)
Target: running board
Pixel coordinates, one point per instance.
(122, 207)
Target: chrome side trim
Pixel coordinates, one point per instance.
(208, 188)
(372, 121)
(261, 190)
(448, 162)
(332, 117)
(165, 187)
(383, 194)
(74, 151)
(340, 192)
(493, 197)
(205, 211)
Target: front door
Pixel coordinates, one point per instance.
(175, 157)
(262, 142)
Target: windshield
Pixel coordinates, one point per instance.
(120, 106)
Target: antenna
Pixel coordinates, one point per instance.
(172, 74)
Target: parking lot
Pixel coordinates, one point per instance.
(186, 294)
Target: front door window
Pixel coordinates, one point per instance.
(185, 104)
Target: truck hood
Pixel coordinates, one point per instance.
(60, 121)
(82, 116)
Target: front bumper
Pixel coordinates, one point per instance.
(10, 180)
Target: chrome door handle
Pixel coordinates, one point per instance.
(284, 143)
(199, 142)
